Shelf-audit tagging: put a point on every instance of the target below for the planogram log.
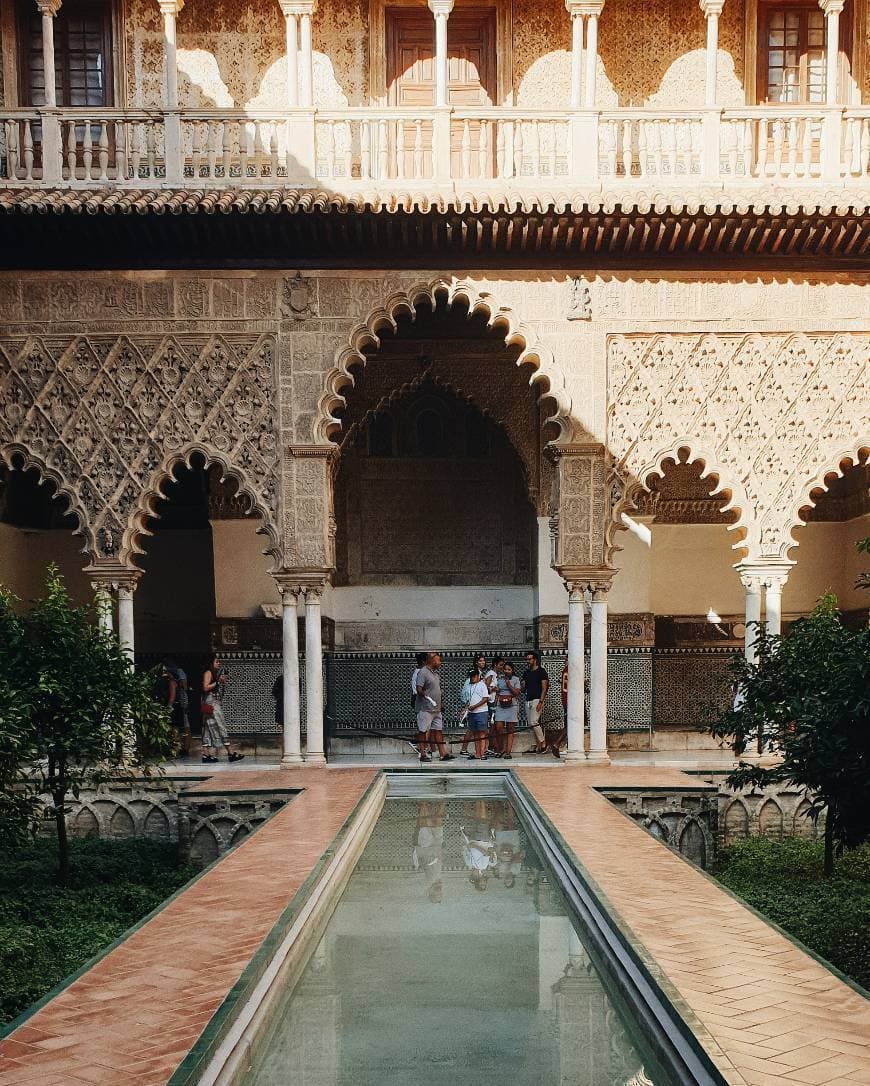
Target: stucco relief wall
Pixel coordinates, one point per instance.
(808, 339)
(231, 54)
(653, 54)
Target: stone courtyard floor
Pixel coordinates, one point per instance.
(767, 1013)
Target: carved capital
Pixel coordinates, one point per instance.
(711, 7)
(770, 576)
(48, 7)
(582, 8)
(313, 452)
(297, 7)
(441, 7)
(832, 7)
(170, 7)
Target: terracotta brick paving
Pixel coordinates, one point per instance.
(133, 1018)
(767, 1013)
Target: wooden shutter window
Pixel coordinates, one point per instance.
(82, 54)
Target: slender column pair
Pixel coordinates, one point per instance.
(597, 671)
(300, 70)
(290, 596)
(104, 592)
(584, 60)
(763, 585)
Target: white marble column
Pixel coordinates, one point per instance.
(575, 10)
(314, 754)
(593, 12)
(126, 629)
(752, 613)
(441, 10)
(576, 672)
(832, 9)
(48, 9)
(598, 675)
(712, 9)
(291, 38)
(104, 606)
(169, 9)
(292, 755)
(773, 585)
(306, 58)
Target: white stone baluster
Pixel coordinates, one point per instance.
(483, 149)
(418, 149)
(87, 149)
(103, 150)
(383, 150)
(28, 150)
(466, 148)
(365, 150)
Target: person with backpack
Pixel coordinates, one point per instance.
(180, 704)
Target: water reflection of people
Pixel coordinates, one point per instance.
(478, 839)
(429, 847)
(509, 852)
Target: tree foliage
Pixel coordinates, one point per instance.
(807, 698)
(87, 715)
(17, 803)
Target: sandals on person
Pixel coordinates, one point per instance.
(234, 756)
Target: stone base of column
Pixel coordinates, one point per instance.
(291, 761)
(315, 760)
(598, 757)
(575, 757)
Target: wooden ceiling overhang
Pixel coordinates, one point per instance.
(235, 227)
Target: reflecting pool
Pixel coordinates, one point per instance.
(450, 959)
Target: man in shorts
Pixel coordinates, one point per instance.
(536, 684)
(430, 722)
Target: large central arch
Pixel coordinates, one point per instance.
(460, 294)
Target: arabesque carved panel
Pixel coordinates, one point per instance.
(104, 414)
(769, 413)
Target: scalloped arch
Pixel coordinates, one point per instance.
(16, 450)
(500, 318)
(837, 465)
(629, 491)
(136, 526)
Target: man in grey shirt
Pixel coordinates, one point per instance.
(430, 723)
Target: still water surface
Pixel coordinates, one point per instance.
(450, 959)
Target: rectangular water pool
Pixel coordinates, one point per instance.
(451, 959)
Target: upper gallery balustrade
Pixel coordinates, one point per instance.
(434, 127)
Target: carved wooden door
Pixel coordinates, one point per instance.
(471, 82)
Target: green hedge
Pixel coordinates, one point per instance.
(48, 931)
(783, 880)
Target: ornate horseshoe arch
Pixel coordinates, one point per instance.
(136, 526)
(837, 466)
(625, 493)
(501, 318)
(17, 456)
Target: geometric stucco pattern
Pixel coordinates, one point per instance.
(106, 418)
(770, 414)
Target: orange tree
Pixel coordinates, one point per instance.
(808, 697)
(89, 715)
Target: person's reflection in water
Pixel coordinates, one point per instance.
(509, 852)
(429, 847)
(478, 839)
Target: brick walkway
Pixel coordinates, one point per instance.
(767, 1014)
(131, 1019)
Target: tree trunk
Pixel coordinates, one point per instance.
(58, 795)
(829, 845)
